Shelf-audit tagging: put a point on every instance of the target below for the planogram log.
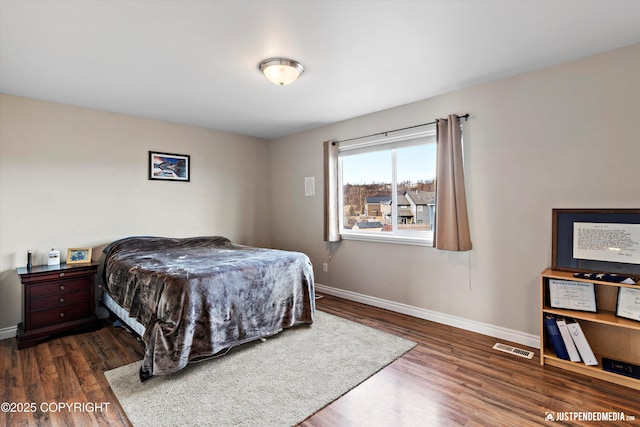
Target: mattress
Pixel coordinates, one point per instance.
(195, 297)
(122, 314)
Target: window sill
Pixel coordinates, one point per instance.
(378, 238)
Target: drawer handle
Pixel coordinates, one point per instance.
(61, 274)
(61, 300)
(61, 287)
(61, 314)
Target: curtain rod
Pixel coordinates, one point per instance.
(465, 117)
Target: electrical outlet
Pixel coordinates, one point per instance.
(325, 267)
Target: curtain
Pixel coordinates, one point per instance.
(331, 219)
(452, 222)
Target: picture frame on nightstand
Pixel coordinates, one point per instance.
(79, 255)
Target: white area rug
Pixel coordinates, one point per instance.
(279, 382)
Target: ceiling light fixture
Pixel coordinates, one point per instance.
(281, 71)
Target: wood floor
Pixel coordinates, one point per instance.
(451, 378)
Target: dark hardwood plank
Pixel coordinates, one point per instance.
(452, 377)
(66, 369)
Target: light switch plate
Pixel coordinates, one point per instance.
(310, 186)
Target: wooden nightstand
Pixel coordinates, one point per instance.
(57, 299)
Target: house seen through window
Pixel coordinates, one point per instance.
(388, 188)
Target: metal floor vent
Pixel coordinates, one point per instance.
(513, 350)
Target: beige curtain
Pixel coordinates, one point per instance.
(452, 222)
(331, 219)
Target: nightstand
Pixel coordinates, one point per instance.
(57, 298)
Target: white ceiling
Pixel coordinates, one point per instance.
(195, 62)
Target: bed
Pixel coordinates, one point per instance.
(190, 298)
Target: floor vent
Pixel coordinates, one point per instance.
(513, 350)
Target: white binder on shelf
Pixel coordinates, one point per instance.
(581, 343)
(568, 341)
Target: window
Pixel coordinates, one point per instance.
(387, 188)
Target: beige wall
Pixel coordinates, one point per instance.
(562, 137)
(567, 136)
(74, 177)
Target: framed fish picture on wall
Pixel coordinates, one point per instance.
(169, 167)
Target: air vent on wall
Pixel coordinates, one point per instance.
(513, 350)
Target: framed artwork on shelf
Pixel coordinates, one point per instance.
(628, 304)
(572, 295)
(596, 240)
(169, 167)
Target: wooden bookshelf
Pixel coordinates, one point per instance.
(608, 335)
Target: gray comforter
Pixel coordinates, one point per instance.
(198, 296)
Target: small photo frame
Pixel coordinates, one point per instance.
(628, 305)
(572, 295)
(78, 255)
(169, 167)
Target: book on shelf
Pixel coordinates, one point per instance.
(553, 332)
(580, 340)
(620, 367)
(574, 356)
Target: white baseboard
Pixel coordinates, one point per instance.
(8, 332)
(421, 313)
(434, 316)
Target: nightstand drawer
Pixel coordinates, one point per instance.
(55, 316)
(55, 275)
(59, 287)
(54, 301)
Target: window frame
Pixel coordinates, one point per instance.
(401, 140)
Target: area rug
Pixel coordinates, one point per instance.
(279, 382)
